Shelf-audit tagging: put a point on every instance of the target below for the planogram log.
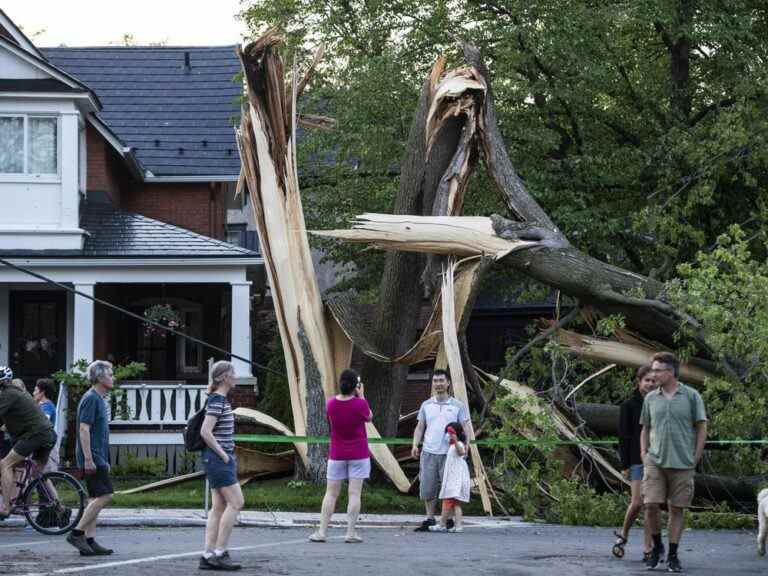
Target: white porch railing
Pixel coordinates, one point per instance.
(157, 404)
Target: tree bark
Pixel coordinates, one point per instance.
(602, 419)
(317, 421)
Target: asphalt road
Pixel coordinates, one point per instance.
(506, 551)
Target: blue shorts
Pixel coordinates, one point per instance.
(349, 469)
(219, 474)
(636, 472)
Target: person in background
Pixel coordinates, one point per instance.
(92, 454)
(218, 432)
(631, 461)
(349, 457)
(44, 393)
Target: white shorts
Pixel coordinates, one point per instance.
(349, 469)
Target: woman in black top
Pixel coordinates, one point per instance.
(629, 450)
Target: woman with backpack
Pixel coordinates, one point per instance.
(217, 432)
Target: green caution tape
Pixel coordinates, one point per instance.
(492, 442)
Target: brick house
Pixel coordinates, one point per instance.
(117, 172)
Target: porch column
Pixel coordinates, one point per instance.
(241, 327)
(5, 320)
(83, 326)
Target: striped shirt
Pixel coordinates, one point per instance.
(224, 430)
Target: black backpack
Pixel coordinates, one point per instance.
(193, 442)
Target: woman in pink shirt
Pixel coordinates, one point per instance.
(349, 458)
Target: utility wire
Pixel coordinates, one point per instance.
(137, 316)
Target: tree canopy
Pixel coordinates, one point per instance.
(641, 128)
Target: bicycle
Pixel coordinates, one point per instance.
(52, 502)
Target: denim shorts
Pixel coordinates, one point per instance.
(636, 472)
(219, 474)
(349, 469)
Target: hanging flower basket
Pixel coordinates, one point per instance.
(164, 314)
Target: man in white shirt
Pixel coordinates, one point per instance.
(434, 415)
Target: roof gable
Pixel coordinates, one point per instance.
(175, 107)
(13, 66)
(9, 30)
(19, 64)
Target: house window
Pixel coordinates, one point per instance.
(28, 145)
(235, 234)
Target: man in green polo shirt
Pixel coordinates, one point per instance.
(674, 432)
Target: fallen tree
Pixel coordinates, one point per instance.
(530, 243)
(267, 141)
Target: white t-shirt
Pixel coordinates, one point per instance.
(437, 415)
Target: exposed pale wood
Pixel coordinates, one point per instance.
(341, 345)
(589, 378)
(448, 235)
(162, 483)
(267, 138)
(453, 358)
(250, 462)
(634, 355)
(269, 144)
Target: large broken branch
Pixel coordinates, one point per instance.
(460, 236)
(267, 139)
(632, 355)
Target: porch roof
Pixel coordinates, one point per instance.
(113, 233)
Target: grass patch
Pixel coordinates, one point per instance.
(279, 495)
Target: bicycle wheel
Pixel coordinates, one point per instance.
(54, 503)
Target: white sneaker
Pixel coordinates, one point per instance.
(456, 529)
(438, 528)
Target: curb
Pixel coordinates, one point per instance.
(197, 521)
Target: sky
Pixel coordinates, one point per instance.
(103, 22)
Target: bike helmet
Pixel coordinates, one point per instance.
(5, 373)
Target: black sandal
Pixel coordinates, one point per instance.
(618, 547)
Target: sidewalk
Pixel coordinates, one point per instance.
(146, 517)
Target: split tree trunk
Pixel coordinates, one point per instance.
(434, 173)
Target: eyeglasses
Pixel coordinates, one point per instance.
(667, 369)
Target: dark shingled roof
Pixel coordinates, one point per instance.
(114, 233)
(178, 120)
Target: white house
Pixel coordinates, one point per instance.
(109, 187)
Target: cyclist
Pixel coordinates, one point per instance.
(30, 429)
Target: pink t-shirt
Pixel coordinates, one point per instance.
(349, 441)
